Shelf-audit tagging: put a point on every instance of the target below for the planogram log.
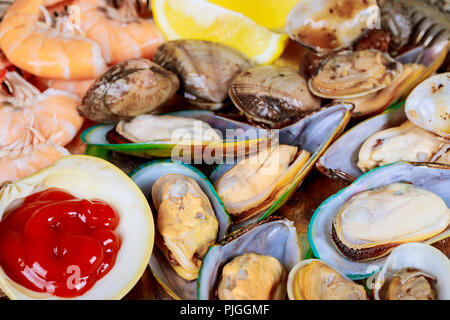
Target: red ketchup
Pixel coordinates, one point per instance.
(58, 244)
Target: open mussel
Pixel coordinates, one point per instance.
(413, 271)
(128, 89)
(206, 69)
(398, 203)
(190, 218)
(273, 95)
(326, 25)
(251, 263)
(316, 280)
(253, 188)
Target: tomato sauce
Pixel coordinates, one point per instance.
(58, 244)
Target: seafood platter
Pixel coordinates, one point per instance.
(225, 149)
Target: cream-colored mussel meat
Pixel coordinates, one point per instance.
(411, 284)
(404, 143)
(166, 128)
(371, 223)
(256, 182)
(315, 280)
(186, 221)
(253, 277)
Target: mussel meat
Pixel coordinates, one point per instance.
(186, 221)
(252, 277)
(256, 182)
(373, 222)
(325, 25)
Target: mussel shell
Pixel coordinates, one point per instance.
(145, 176)
(205, 68)
(432, 177)
(418, 256)
(273, 95)
(341, 158)
(313, 134)
(273, 237)
(96, 137)
(128, 89)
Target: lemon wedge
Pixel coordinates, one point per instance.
(271, 14)
(203, 20)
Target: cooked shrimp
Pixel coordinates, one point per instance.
(77, 87)
(53, 113)
(121, 34)
(31, 41)
(28, 155)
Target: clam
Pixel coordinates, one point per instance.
(273, 95)
(325, 25)
(352, 74)
(316, 280)
(190, 218)
(335, 231)
(254, 183)
(206, 69)
(166, 128)
(91, 179)
(128, 89)
(270, 246)
(428, 105)
(253, 188)
(406, 142)
(201, 135)
(413, 271)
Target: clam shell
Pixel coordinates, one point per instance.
(145, 176)
(276, 238)
(341, 158)
(273, 95)
(206, 69)
(96, 137)
(313, 134)
(432, 177)
(418, 256)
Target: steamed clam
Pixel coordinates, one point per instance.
(373, 222)
(325, 25)
(128, 89)
(316, 280)
(251, 263)
(206, 69)
(190, 218)
(413, 271)
(273, 95)
(399, 203)
(351, 74)
(255, 183)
